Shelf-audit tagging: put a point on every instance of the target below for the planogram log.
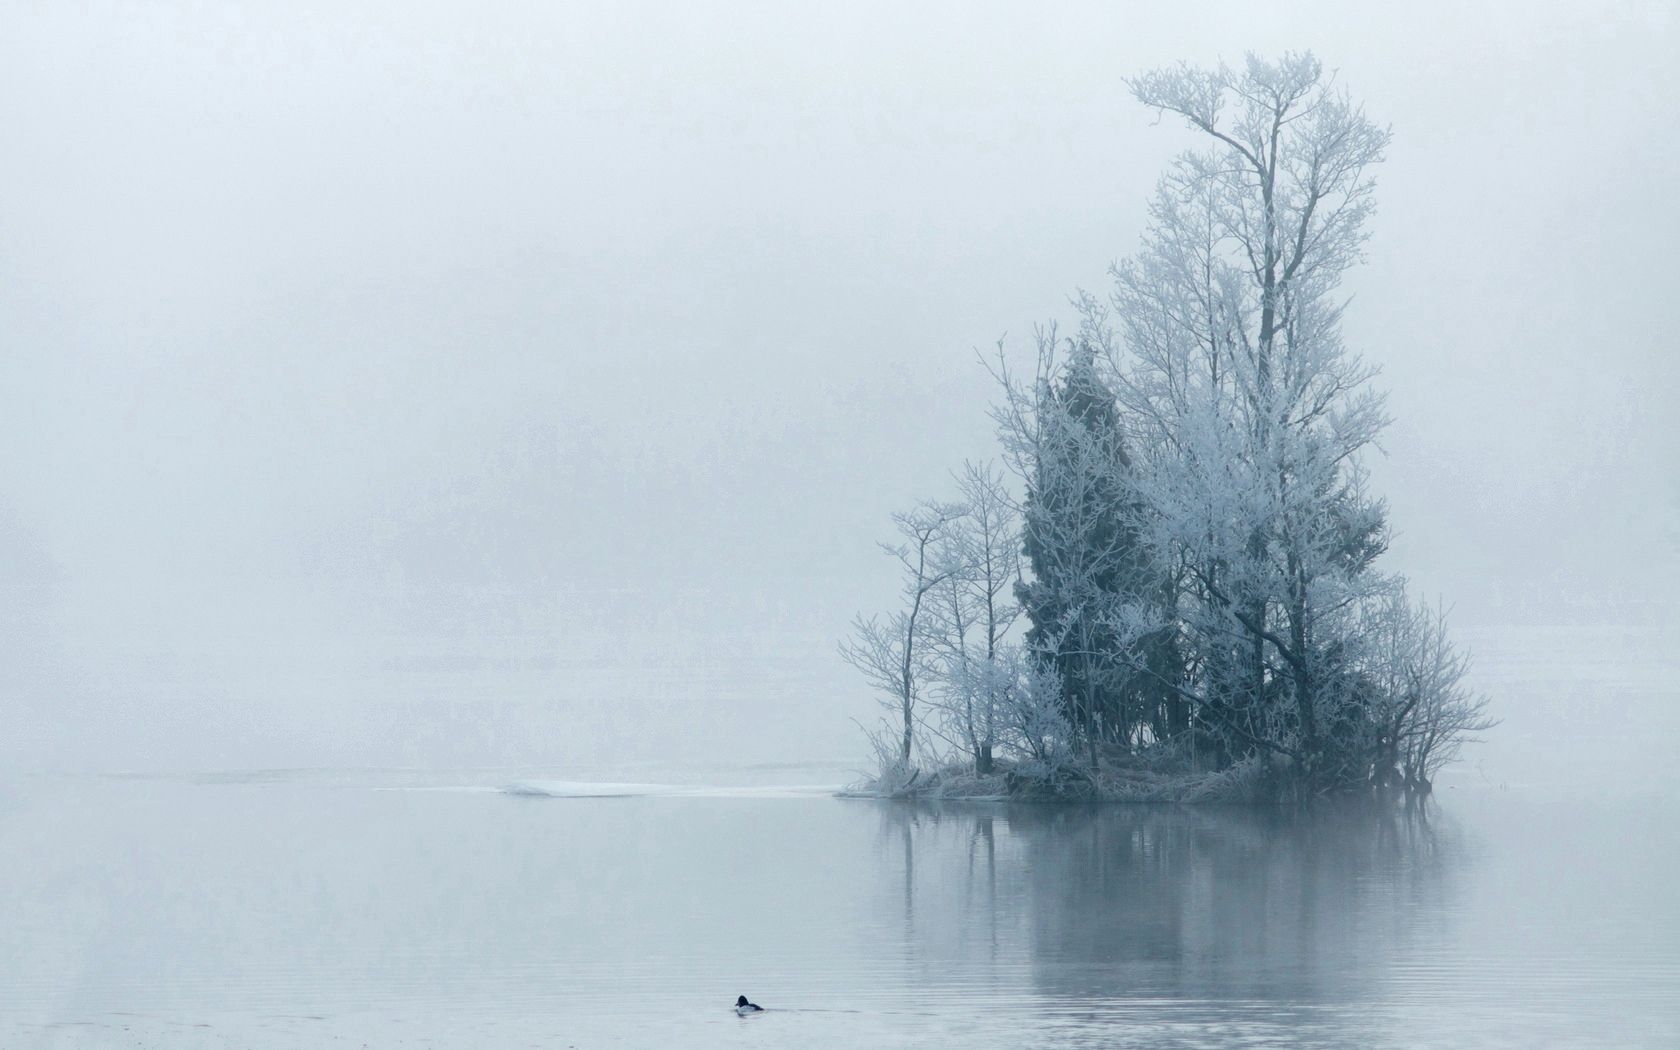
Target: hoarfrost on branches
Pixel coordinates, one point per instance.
(1199, 541)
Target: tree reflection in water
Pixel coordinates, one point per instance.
(1114, 904)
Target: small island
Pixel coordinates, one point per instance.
(1170, 590)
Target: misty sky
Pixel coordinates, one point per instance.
(528, 383)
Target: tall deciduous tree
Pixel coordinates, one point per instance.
(891, 654)
(1238, 385)
(974, 611)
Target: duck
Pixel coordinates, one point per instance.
(743, 1008)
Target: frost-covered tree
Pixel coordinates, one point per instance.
(974, 610)
(1033, 719)
(1248, 410)
(1199, 544)
(1063, 438)
(891, 654)
(1098, 598)
(1422, 710)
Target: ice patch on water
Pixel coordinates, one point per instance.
(585, 789)
(596, 789)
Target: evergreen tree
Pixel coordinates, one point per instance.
(1082, 546)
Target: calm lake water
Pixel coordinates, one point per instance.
(293, 909)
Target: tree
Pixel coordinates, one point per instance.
(1432, 713)
(1198, 543)
(973, 611)
(1248, 411)
(1063, 439)
(889, 654)
(1099, 599)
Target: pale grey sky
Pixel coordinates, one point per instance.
(449, 383)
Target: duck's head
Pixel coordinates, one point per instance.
(740, 1000)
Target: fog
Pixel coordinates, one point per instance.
(391, 384)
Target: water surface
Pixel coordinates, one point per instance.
(286, 909)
